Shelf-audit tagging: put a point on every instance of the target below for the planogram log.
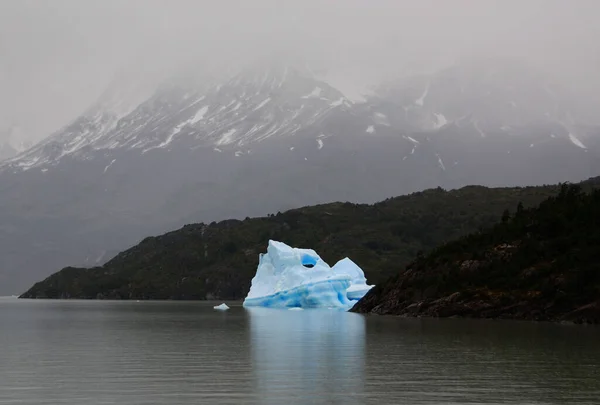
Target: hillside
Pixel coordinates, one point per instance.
(537, 264)
(218, 260)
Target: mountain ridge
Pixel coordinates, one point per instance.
(218, 260)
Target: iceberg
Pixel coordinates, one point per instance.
(222, 307)
(289, 277)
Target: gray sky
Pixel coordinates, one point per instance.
(56, 56)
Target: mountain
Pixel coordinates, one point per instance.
(540, 263)
(218, 260)
(268, 139)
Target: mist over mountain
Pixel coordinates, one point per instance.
(268, 138)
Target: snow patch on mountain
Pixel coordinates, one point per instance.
(413, 140)
(381, 119)
(315, 93)
(337, 103)
(199, 115)
(226, 138)
(109, 165)
(440, 162)
(576, 141)
(440, 120)
(421, 99)
(262, 104)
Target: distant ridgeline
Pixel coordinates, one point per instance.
(539, 263)
(218, 261)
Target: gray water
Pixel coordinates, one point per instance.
(98, 352)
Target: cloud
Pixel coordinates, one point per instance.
(57, 56)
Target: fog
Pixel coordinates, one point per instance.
(57, 56)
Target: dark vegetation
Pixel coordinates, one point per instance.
(218, 261)
(540, 263)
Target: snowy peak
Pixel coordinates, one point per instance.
(251, 106)
(477, 101)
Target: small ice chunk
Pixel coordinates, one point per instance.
(222, 307)
(370, 129)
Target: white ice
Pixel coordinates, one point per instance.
(289, 277)
(370, 129)
(222, 307)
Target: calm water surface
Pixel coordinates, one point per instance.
(78, 352)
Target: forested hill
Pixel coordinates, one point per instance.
(540, 263)
(219, 260)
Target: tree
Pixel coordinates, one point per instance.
(505, 216)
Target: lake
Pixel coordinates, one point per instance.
(103, 352)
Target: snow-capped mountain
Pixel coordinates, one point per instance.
(146, 159)
(250, 107)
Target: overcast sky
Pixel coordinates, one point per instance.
(56, 56)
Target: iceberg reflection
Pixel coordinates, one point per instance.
(309, 356)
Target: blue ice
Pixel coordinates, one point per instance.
(289, 277)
